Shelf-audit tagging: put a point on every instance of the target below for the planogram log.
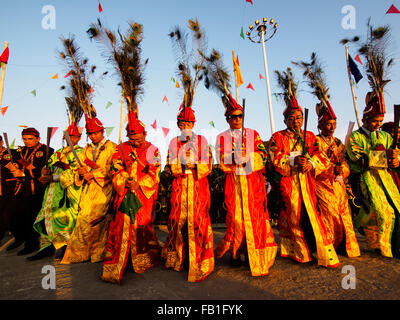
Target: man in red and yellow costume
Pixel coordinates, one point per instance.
(333, 201)
(301, 228)
(189, 225)
(242, 155)
(88, 240)
(135, 169)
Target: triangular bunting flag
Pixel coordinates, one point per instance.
(172, 79)
(392, 9)
(242, 33)
(357, 58)
(249, 1)
(109, 130)
(165, 131)
(53, 131)
(68, 74)
(165, 99)
(12, 144)
(22, 126)
(33, 92)
(261, 76)
(249, 86)
(154, 125)
(212, 124)
(55, 76)
(4, 56)
(100, 8)
(108, 104)
(3, 110)
(177, 84)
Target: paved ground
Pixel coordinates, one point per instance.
(376, 278)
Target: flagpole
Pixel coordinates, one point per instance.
(271, 114)
(121, 117)
(3, 73)
(352, 88)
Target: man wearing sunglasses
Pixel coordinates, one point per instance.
(242, 155)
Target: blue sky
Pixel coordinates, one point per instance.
(304, 27)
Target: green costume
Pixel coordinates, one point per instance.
(379, 213)
(61, 200)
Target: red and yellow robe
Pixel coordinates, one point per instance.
(247, 221)
(88, 242)
(137, 236)
(190, 204)
(332, 197)
(298, 190)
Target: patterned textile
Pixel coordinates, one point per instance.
(88, 242)
(332, 197)
(189, 221)
(299, 197)
(135, 236)
(247, 221)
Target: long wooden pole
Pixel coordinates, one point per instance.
(351, 86)
(121, 117)
(3, 74)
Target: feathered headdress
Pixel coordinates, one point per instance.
(124, 52)
(288, 85)
(217, 78)
(80, 90)
(374, 50)
(315, 76)
(188, 62)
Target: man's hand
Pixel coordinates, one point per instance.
(132, 185)
(303, 164)
(240, 157)
(82, 171)
(88, 176)
(46, 171)
(14, 170)
(46, 179)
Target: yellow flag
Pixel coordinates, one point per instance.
(238, 74)
(55, 76)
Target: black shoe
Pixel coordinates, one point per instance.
(27, 250)
(236, 263)
(46, 252)
(14, 245)
(60, 253)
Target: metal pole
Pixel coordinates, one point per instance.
(3, 72)
(271, 114)
(351, 86)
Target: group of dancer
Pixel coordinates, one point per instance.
(97, 203)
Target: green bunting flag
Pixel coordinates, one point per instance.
(33, 92)
(242, 33)
(212, 124)
(12, 144)
(109, 130)
(108, 104)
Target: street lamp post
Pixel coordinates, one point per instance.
(264, 31)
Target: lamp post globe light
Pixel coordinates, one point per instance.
(262, 31)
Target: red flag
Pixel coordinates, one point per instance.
(249, 86)
(100, 8)
(53, 131)
(393, 9)
(165, 131)
(68, 74)
(4, 55)
(3, 110)
(154, 125)
(261, 77)
(249, 1)
(165, 99)
(357, 58)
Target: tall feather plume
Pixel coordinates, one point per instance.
(80, 90)
(189, 60)
(375, 51)
(314, 73)
(124, 52)
(287, 83)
